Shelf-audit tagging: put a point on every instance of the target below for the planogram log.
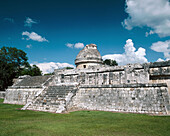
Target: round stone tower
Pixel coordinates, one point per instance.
(89, 56)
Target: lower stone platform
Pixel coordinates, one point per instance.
(135, 98)
(21, 95)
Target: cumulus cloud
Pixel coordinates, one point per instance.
(34, 36)
(28, 46)
(163, 47)
(48, 67)
(154, 14)
(28, 22)
(76, 45)
(9, 20)
(129, 56)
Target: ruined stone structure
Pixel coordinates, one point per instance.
(137, 88)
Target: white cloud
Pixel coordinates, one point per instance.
(76, 45)
(69, 45)
(159, 60)
(79, 45)
(129, 56)
(28, 22)
(29, 46)
(149, 33)
(34, 36)
(154, 14)
(163, 47)
(50, 66)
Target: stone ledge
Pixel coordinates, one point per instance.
(159, 64)
(125, 85)
(24, 87)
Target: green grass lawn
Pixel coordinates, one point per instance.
(15, 122)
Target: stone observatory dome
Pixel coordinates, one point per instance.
(89, 56)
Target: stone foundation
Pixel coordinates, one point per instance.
(21, 96)
(141, 98)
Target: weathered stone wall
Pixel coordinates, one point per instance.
(20, 95)
(2, 94)
(158, 72)
(26, 89)
(104, 76)
(136, 98)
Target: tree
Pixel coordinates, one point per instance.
(31, 70)
(110, 62)
(6, 74)
(11, 62)
(49, 74)
(69, 68)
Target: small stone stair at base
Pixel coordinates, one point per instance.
(53, 99)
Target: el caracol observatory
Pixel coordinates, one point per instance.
(135, 88)
(87, 57)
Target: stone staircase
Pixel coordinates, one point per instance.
(53, 99)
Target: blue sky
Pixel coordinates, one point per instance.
(43, 28)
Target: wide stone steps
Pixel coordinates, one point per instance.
(53, 99)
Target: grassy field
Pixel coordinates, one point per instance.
(14, 122)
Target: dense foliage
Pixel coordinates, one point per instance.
(13, 63)
(49, 74)
(31, 70)
(69, 68)
(110, 62)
